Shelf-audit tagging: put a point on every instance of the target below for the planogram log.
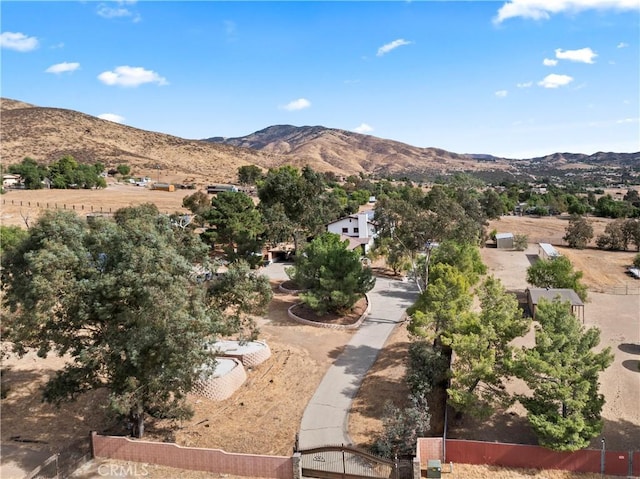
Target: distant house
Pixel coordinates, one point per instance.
(547, 251)
(504, 240)
(11, 181)
(358, 229)
(534, 295)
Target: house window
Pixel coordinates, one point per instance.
(356, 230)
(345, 230)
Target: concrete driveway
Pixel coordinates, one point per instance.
(325, 418)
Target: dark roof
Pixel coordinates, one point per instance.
(550, 294)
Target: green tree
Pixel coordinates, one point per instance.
(117, 297)
(240, 293)
(464, 256)
(631, 231)
(31, 172)
(333, 274)
(11, 237)
(483, 352)
(562, 370)
(579, 232)
(123, 169)
(237, 224)
(303, 199)
(198, 203)
(249, 174)
(636, 261)
(492, 204)
(614, 237)
(556, 273)
(438, 307)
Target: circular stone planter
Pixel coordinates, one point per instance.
(319, 324)
(287, 290)
(250, 353)
(223, 381)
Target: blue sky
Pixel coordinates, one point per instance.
(517, 78)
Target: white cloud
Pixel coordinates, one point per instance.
(525, 84)
(363, 128)
(501, 93)
(299, 104)
(549, 62)
(555, 81)
(18, 41)
(628, 120)
(583, 55)
(120, 11)
(622, 45)
(392, 45)
(63, 67)
(131, 77)
(543, 9)
(111, 117)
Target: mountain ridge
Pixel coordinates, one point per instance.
(46, 134)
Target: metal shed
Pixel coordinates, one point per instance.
(504, 240)
(534, 295)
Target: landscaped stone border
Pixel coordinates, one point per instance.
(289, 291)
(318, 324)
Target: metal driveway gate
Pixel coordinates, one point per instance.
(345, 462)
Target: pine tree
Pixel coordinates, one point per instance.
(483, 354)
(562, 372)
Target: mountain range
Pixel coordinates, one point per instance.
(46, 134)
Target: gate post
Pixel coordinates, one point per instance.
(297, 465)
(416, 468)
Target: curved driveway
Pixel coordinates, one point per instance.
(325, 418)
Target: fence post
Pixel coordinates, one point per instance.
(602, 458)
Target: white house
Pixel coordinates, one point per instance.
(358, 229)
(10, 181)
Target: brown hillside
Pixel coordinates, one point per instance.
(47, 134)
(347, 152)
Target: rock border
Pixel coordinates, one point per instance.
(289, 291)
(318, 324)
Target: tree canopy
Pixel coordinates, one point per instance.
(332, 274)
(237, 224)
(120, 298)
(579, 232)
(562, 372)
(483, 353)
(556, 273)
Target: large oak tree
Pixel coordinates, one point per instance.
(120, 298)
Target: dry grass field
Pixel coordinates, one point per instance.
(16, 205)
